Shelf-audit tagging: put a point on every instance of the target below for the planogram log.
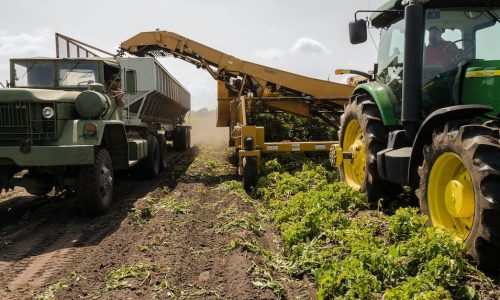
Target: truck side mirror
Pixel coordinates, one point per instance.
(130, 81)
(357, 32)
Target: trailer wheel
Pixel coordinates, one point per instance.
(149, 167)
(182, 139)
(187, 133)
(363, 134)
(460, 188)
(175, 138)
(249, 172)
(162, 143)
(95, 184)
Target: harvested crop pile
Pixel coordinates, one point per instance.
(352, 252)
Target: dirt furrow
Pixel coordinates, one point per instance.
(45, 240)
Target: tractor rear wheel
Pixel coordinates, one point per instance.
(460, 188)
(363, 134)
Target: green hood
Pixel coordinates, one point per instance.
(37, 95)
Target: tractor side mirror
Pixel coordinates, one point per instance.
(357, 32)
(130, 81)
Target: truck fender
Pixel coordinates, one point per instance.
(434, 120)
(114, 139)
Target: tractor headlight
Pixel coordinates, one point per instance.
(48, 112)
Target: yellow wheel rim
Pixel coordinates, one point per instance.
(450, 195)
(355, 167)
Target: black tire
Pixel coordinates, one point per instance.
(149, 167)
(184, 139)
(95, 184)
(249, 172)
(188, 138)
(45, 184)
(479, 150)
(175, 138)
(162, 143)
(364, 109)
(39, 191)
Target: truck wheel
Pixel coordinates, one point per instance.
(44, 184)
(460, 188)
(95, 184)
(249, 172)
(149, 167)
(39, 191)
(363, 134)
(162, 143)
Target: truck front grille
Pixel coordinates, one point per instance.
(22, 120)
(15, 114)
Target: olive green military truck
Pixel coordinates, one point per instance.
(72, 124)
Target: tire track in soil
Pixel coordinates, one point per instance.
(45, 247)
(189, 255)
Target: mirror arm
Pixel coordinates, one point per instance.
(373, 11)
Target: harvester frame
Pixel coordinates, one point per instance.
(243, 87)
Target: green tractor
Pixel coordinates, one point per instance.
(429, 116)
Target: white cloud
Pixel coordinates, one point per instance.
(270, 53)
(22, 45)
(308, 45)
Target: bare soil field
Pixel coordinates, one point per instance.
(176, 236)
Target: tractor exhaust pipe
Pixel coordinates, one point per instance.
(412, 74)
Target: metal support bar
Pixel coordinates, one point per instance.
(317, 146)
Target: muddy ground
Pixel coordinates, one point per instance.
(185, 235)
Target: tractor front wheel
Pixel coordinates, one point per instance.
(363, 134)
(460, 188)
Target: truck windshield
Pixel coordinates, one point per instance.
(453, 37)
(34, 74)
(77, 73)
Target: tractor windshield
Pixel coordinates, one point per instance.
(454, 37)
(391, 57)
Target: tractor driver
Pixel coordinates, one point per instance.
(439, 51)
(439, 59)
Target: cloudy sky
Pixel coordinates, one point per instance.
(306, 37)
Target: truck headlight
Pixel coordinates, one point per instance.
(48, 112)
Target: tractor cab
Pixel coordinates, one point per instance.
(429, 117)
(453, 52)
